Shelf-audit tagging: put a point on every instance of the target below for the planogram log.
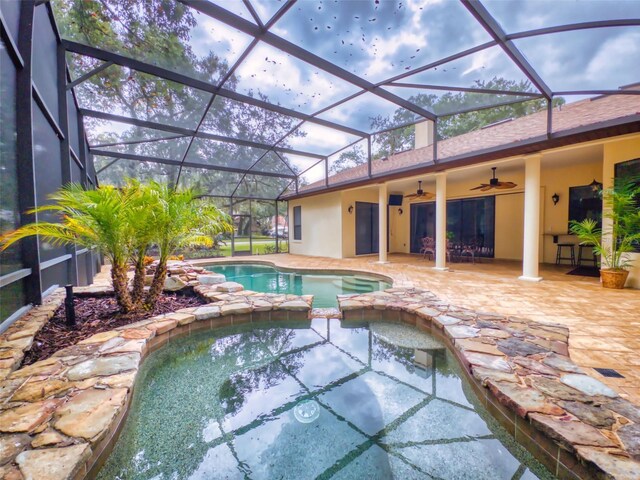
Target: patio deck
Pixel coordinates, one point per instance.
(604, 324)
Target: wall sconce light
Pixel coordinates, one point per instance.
(350, 209)
(400, 211)
(556, 198)
(595, 185)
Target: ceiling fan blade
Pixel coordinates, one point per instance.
(412, 196)
(486, 188)
(482, 185)
(505, 185)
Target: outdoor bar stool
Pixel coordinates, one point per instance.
(594, 258)
(572, 252)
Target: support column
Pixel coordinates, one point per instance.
(382, 223)
(531, 241)
(441, 221)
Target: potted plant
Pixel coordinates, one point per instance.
(620, 233)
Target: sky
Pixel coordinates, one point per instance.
(379, 40)
(382, 39)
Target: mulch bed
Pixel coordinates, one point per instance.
(95, 315)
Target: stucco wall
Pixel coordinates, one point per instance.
(509, 207)
(509, 213)
(618, 152)
(321, 226)
(556, 217)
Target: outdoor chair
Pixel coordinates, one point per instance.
(469, 250)
(428, 247)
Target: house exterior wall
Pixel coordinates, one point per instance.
(617, 152)
(321, 226)
(329, 230)
(556, 217)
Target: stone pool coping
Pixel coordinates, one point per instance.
(60, 417)
(520, 370)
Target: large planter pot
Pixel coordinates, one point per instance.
(613, 278)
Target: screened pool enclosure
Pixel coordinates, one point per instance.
(256, 101)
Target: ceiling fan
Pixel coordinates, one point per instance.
(494, 183)
(420, 193)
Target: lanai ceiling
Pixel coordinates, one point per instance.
(251, 99)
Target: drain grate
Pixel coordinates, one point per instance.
(608, 372)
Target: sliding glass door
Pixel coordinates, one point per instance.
(470, 222)
(366, 228)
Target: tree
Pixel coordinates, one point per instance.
(180, 219)
(400, 137)
(159, 32)
(88, 218)
(349, 159)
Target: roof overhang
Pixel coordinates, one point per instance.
(586, 133)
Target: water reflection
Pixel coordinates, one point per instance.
(330, 401)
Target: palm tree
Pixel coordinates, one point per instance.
(141, 214)
(180, 219)
(89, 218)
(621, 234)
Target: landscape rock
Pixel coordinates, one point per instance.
(485, 374)
(295, 305)
(587, 385)
(561, 362)
(103, 366)
(89, 414)
(630, 436)
(514, 347)
(569, 433)
(594, 415)
(11, 446)
(235, 309)
(488, 361)
(48, 438)
(173, 284)
(461, 331)
(554, 389)
(522, 400)
(53, 463)
(211, 279)
(229, 287)
(28, 417)
(610, 466)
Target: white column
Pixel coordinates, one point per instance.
(382, 222)
(531, 219)
(441, 221)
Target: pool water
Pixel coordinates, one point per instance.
(318, 400)
(324, 287)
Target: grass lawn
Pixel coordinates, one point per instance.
(260, 245)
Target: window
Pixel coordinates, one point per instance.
(585, 202)
(630, 169)
(297, 223)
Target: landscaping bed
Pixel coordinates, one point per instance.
(95, 315)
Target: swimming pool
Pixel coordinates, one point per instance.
(321, 399)
(324, 287)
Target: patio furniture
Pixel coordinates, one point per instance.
(572, 253)
(469, 250)
(594, 258)
(428, 247)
